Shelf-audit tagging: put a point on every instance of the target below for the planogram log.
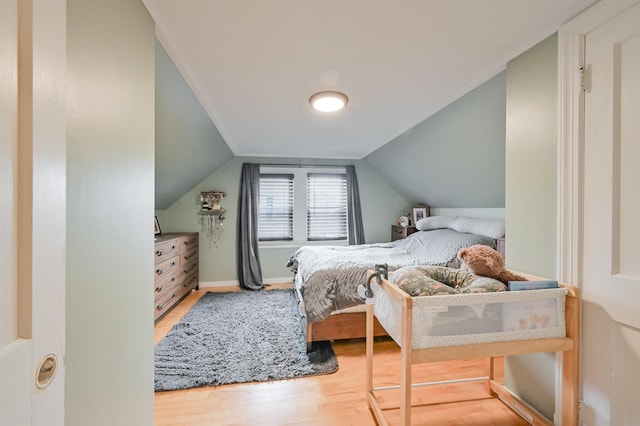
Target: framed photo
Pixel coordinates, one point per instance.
(404, 221)
(419, 212)
(156, 228)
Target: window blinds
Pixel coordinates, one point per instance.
(275, 211)
(326, 207)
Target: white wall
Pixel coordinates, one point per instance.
(456, 157)
(188, 144)
(530, 198)
(110, 206)
(381, 207)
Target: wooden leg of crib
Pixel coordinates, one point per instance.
(369, 349)
(570, 361)
(371, 398)
(405, 353)
(490, 373)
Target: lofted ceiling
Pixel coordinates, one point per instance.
(253, 64)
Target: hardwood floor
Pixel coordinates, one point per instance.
(334, 399)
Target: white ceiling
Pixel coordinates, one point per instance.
(253, 64)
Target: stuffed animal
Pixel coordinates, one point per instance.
(485, 261)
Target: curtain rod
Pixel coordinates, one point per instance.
(299, 166)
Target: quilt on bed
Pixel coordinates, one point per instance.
(328, 276)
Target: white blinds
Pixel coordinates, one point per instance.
(275, 211)
(326, 207)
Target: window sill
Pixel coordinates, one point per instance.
(296, 244)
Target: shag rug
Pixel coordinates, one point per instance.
(238, 337)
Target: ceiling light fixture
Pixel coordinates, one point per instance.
(328, 101)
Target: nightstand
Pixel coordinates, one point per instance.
(399, 232)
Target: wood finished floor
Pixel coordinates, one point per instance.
(334, 399)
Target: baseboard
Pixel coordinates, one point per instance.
(209, 284)
(236, 283)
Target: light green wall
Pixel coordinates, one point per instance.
(188, 145)
(456, 157)
(381, 207)
(530, 195)
(110, 187)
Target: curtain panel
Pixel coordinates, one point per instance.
(248, 256)
(356, 229)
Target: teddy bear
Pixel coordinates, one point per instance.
(487, 262)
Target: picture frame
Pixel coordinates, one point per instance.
(419, 212)
(156, 229)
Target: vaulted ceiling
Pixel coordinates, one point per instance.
(253, 64)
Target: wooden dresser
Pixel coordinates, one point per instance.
(176, 270)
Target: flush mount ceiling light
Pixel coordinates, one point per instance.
(328, 101)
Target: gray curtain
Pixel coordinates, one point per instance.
(356, 230)
(248, 259)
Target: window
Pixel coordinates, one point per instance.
(302, 204)
(326, 207)
(275, 210)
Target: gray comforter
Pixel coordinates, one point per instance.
(328, 276)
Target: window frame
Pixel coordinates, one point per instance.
(300, 204)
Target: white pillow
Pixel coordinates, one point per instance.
(435, 222)
(493, 228)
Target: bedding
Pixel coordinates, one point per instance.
(327, 277)
(440, 280)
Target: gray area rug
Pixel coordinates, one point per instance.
(238, 337)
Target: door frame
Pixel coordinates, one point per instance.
(571, 85)
(573, 81)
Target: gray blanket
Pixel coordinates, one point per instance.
(328, 276)
(330, 290)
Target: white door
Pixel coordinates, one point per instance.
(611, 256)
(32, 212)
(15, 353)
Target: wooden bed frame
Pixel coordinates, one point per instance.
(567, 345)
(339, 326)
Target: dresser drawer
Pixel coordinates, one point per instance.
(166, 265)
(187, 242)
(189, 256)
(165, 250)
(165, 303)
(165, 282)
(190, 283)
(188, 268)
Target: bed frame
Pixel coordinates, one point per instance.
(339, 326)
(567, 345)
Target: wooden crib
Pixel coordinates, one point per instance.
(567, 344)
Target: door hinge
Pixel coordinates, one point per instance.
(585, 78)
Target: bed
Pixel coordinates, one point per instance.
(464, 326)
(327, 277)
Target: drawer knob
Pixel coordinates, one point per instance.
(159, 271)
